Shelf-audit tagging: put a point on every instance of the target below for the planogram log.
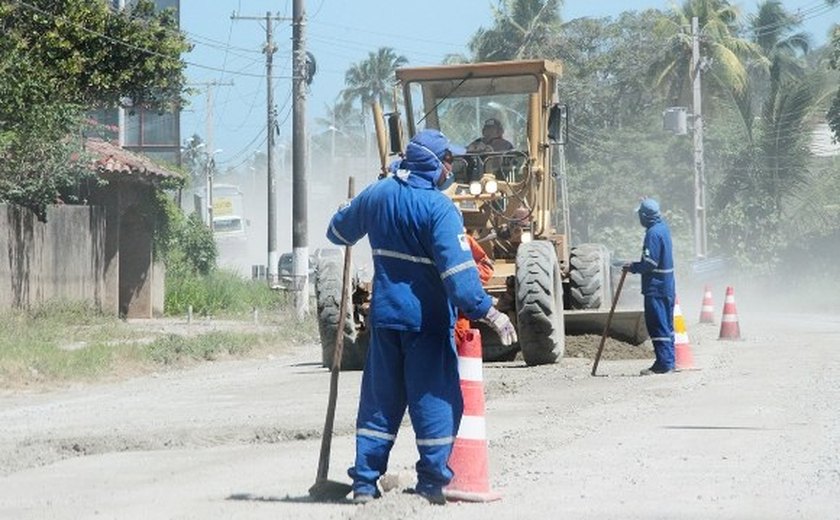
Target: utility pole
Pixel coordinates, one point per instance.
(269, 50)
(699, 166)
(300, 247)
(209, 164)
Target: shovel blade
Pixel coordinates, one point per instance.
(329, 490)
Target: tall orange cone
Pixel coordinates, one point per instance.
(707, 311)
(682, 348)
(469, 453)
(729, 328)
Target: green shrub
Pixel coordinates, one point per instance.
(220, 292)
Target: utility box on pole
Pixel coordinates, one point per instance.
(675, 120)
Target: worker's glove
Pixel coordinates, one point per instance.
(500, 323)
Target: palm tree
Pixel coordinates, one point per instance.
(373, 79)
(193, 157)
(785, 134)
(772, 29)
(341, 115)
(521, 29)
(724, 51)
(341, 125)
(833, 116)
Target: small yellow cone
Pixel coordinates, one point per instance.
(682, 348)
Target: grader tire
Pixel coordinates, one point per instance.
(589, 277)
(539, 303)
(328, 277)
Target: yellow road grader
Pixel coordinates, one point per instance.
(514, 202)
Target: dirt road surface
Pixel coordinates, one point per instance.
(754, 432)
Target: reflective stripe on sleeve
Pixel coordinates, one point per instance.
(651, 261)
(338, 235)
(663, 271)
(457, 269)
(403, 256)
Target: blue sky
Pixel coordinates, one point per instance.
(339, 33)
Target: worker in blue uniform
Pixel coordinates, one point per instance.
(657, 269)
(423, 269)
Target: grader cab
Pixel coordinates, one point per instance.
(510, 187)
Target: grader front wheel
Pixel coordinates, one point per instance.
(539, 303)
(328, 295)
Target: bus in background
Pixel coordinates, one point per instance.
(230, 227)
(227, 210)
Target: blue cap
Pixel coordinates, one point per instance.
(648, 208)
(437, 143)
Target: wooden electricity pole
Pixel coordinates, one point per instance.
(269, 50)
(699, 165)
(300, 247)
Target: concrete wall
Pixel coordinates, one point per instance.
(62, 259)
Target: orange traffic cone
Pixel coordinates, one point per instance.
(729, 328)
(707, 311)
(682, 348)
(469, 453)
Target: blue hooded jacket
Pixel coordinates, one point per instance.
(657, 263)
(422, 260)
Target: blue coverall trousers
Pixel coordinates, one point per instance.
(418, 370)
(659, 319)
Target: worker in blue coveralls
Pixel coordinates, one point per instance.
(423, 269)
(657, 269)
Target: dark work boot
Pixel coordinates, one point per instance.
(655, 369)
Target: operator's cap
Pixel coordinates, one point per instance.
(436, 142)
(493, 122)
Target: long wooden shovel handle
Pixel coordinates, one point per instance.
(326, 439)
(609, 320)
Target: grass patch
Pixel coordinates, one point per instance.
(59, 343)
(219, 293)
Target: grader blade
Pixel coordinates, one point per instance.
(626, 325)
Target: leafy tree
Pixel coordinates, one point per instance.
(719, 43)
(61, 58)
(455, 59)
(609, 173)
(87, 54)
(834, 112)
(602, 77)
(521, 29)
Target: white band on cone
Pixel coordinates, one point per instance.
(472, 427)
(470, 369)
